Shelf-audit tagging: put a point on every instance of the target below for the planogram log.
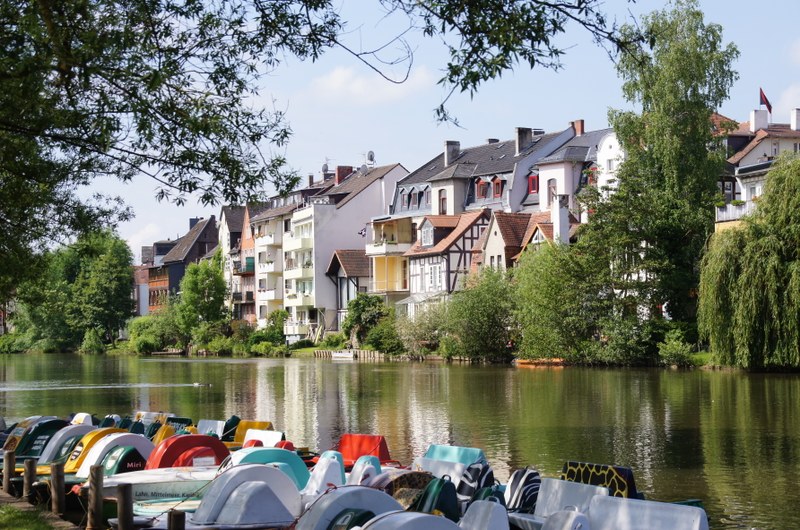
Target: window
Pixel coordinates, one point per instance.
(533, 184)
(491, 261)
(498, 188)
(287, 225)
(442, 202)
(481, 189)
(428, 196)
(499, 262)
(551, 191)
(427, 235)
(403, 199)
(796, 147)
(610, 164)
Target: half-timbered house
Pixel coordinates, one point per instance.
(440, 259)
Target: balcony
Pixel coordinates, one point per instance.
(297, 243)
(292, 327)
(247, 268)
(275, 293)
(236, 296)
(734, 212)
(294, 271)
(270, 239)
(388, 286)
(299, 299)
(270, 267)
(383, 248)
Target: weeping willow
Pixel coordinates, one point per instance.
(749, 307)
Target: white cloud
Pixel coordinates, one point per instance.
(788, 100)
(345, 85)
(794, 52)
(145, 235)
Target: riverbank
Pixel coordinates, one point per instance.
(17, 513)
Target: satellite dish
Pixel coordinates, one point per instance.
(371, 156)
(325, 168)
(364, 169)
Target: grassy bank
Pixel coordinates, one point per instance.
(11, 517)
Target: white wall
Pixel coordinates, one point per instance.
(609, 158)
(495, 246)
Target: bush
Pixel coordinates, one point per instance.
(262, 348)
(449, 347)
(272, 334)
(675, 351)
(281, 351)
(12, 343)
(302, 343)
(384, 337)
(92, 342)
(333, 341)
(144, 343)
(221, 345)
(205, 333)
(241, 330)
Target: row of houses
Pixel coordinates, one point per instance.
(411, 237)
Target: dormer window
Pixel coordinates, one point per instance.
(498, 188)
(533, 183)
(403, 199)
(428, 197)
(481, 189)
(427, 235)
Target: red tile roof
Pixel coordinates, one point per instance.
(354, 262)
(462, 223)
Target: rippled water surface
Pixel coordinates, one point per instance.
(732, 440)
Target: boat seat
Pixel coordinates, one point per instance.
(618, 479)
(215, 427)
(326, 473)
(455, 453)
(617, 513)
(268, 438)
(485, 515)
(555, 495)
(365, 468)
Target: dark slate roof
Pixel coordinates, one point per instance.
(210, 253)
(255, 208)
(355, 263)
(485, 159)
(234, 217)
(581, 148)
(356, 182)
(180, 250)
(275, 212)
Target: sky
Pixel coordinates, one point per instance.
(339, 109)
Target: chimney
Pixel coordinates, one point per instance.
(524, 138)
(193, 221)
(758, 120)
(452, 148)
(559, 216)
(492, 140)
(310, 179)
(578, 126)
(342, 172)
(794, 119)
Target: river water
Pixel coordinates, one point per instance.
(729, 439)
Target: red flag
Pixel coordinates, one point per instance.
(764, 101)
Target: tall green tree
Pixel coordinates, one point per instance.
(363, 313)
(119, 88)
(653, 227)
(202, 295)
(750, 280)
(84, 286)
(480, 317)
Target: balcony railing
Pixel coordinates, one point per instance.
(734, 212)
(383, 286)
(384, 247)
(244, 269)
